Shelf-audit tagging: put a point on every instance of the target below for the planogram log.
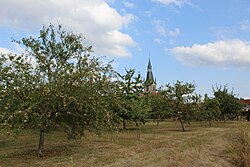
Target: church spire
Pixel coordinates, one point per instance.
(149, 64)
(150, 83)
(150, 77)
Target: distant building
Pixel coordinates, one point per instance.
(150, 83)
(246, 104)
(246, 108)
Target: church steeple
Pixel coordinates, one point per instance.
(149, 64)
(150, 83)
(150, 77)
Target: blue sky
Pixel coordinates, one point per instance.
(201, 41)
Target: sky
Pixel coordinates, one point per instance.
(206, 42)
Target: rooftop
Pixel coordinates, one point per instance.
(245, 101)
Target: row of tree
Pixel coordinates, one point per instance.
(179, 101)
(56, 82)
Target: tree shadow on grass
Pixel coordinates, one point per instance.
(49, 151)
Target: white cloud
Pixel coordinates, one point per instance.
(95, 19)
(178, 3)
(5, 51)
(220, 53)
(109, 1)
(245, 25)
(128, 4)
(162, 30)
(174, 32)
(128, 18)
(148, 13)
(223, 32)
(159, 41)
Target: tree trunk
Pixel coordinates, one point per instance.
(157, 122)
(139, 131)
(248, 118)
(124, 125)
(182, 125)
(209, 121)
(224, 117)
(41, 143)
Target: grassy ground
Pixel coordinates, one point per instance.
(239, 150)
(165, 145)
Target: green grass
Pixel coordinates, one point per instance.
(165, 145)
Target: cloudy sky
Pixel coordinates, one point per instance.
(201, 41)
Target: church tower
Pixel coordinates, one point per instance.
(150, 83)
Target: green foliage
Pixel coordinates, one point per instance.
(208, 110)
(183, 99)
(181, 96)
(228, 102)
(129, 105)
(160, 106)
(129, 84)
(16, 85)
(140, 109)
(56, 81)
(211, 109)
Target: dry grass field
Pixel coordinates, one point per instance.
(165, 145)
